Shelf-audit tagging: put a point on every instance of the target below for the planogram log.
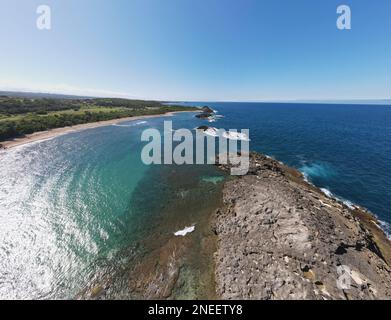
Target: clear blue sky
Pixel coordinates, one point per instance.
(198, 49)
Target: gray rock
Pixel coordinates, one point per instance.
(279, 237)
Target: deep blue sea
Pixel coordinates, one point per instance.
(345, 149)
(82, 209)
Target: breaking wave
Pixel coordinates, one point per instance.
(129, 124)
(182, 233)
(317, 170)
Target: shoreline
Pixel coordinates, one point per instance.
(161, 265)
(56, 132)
(280, 237)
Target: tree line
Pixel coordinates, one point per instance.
(21, 116)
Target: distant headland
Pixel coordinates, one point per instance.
(26, 117)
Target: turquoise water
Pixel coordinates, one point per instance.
(62, 203)
(74, 207)
(81, 215)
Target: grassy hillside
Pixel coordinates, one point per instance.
(20, 116)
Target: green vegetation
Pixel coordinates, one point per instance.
(20, 116)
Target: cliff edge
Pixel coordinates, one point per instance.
(279, 237)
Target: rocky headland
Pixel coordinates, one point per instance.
(280, 237)
(206, 113)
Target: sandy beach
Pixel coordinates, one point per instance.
(43, 135)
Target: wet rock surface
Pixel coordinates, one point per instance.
(157, 264)
(206, 113)
(280, 237)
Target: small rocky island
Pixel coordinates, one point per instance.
(206, 113)
(279, 237)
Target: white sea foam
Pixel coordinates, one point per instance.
(327, 192)
(386, 227)
(349, 204)
(214, 132)
(103, 234)
(132, 124)
(215, 117)
(235, 136)
(214, 180)
(182, 233)
(319, 170)
(122, 125)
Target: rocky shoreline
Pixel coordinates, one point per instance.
(206, 113)
(279, 237)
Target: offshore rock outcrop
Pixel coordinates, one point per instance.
(280, 237)
(206, 113)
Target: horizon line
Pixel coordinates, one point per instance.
(129, 97)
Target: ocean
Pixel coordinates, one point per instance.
(343, 149)
(83, 217)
